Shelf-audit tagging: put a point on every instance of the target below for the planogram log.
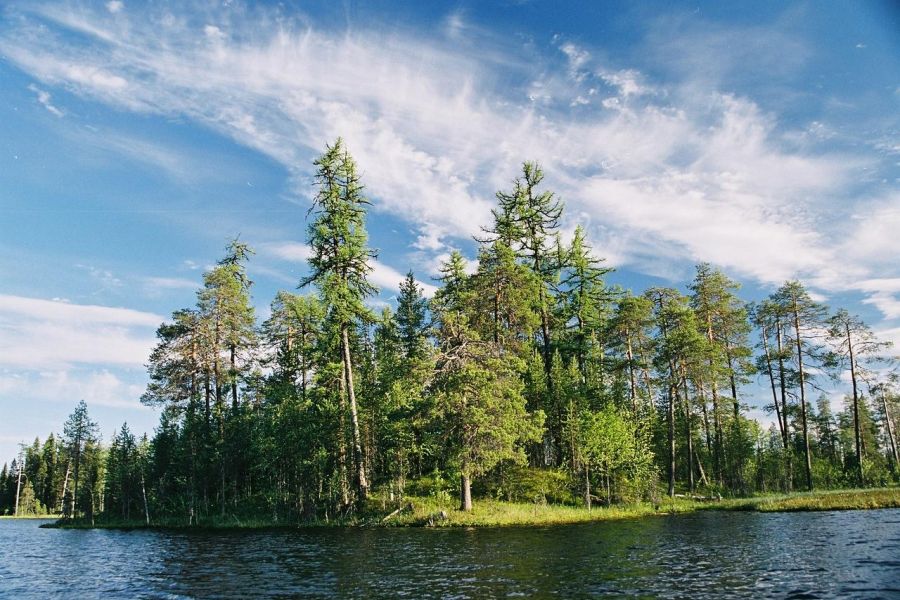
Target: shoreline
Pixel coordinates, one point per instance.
(425, 512)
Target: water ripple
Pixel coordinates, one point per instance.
(704, 555)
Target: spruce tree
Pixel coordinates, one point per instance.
(412, 318)
(79, 435)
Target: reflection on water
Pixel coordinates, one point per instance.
(705, 555)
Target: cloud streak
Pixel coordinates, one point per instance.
(704, 174)
(45, 334)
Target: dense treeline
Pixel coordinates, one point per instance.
(527, 379)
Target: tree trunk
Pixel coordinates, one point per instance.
(62, 499)
(342, 441)
(890, 429)
(465, 493)
(354, 418)
(671, 419)
(703, 478)
(859, 453)
(631, 379)
(707, 436)
(220, 409)
(778, 409)
(689, 433)
(809, 482)
(718, 446)
(736, 405)
(144, 494)
(587, 486)
(74, 510)
(21, 467)
(788, 451)
(234, 386)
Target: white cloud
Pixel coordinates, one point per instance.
(627, 81)
(44, 98)
(289, 251)
(389, 278)
(670, 176)
(114, 6)
(159, 284)
(99, 387)
(43, 334)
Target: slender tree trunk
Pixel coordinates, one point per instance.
(781, 430)
(608, 492)
(587, 485)
(738, 466)
(719, 448)
(74, 511)
(220, 410)
(890, 429)
(354, 418)
(671, 419)
(21, 467)
(342, 441)
(689, 433)
(859, 453)
(647, 382)
(788, 454)
(62, 499)
(703, 479)
(144, 494)
(809, 482)
(706, 430)
(208, 397)
(465, 493)
(631, 379)
(234, 385)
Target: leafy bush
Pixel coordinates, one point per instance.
(515, 483)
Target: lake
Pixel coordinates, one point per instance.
(703, 555)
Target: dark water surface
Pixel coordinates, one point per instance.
(852, 554)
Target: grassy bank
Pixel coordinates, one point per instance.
(831, 500)
(419, 512)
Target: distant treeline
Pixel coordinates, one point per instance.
(530, 378)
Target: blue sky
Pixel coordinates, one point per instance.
(137, 138)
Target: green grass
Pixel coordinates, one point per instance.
(427, 511)
(494, 513)
(831, 500)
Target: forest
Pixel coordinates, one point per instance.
(527, 379)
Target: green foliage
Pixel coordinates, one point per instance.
(532, 379)
(520, 483)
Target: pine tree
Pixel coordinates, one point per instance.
(340, 266)
(806, 317)
(768, 317)
(629, 331)
(725, 324)
(853, 343)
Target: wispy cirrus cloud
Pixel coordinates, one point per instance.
(660, 173)
(43, 97)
